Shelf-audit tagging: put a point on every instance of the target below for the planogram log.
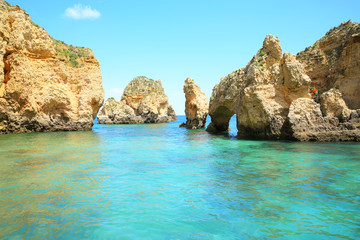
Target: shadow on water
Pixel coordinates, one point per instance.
(43, 178)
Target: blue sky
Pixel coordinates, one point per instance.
(171, 40)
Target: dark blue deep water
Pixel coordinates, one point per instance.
(163, 182)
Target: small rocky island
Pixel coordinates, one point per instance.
(196, 106)
(313, 96)
(45, 84)
(143, 101)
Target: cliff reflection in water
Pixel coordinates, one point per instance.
(43, 176)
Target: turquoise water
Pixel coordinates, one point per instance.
(163, 182)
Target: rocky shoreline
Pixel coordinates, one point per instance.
(48, 85)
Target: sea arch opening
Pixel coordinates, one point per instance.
(220, 119)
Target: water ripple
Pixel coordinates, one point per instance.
(164, 182)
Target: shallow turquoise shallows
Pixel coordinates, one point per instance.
(163, 182)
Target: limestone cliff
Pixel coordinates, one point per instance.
(143, 101)
(271, 83)
(45, 84)
(334, 62)
(196, 105)
(272, 98)
(260, 94)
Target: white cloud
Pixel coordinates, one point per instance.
(79, 11)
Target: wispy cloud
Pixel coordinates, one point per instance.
(79, 11)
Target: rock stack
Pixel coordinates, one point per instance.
(196, 105)
(143, 101)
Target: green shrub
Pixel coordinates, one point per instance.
(74, 63)
(71, 53)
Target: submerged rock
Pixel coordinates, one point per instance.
(143, 101)
(272, 99)
(45, 84)
(196, 105)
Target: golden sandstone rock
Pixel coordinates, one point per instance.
(196, 105)
(334, 62)
(272, 96)
(143, 101)
(45, 84)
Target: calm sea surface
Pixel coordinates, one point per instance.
(163, 182)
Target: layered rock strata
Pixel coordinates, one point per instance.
(271, 83)
(196, 106)
(307, 122)
(117, 112)
(45, 84)
(259, 94)
(223, 101)
(334, 62)
(143, 101)
(272, 96)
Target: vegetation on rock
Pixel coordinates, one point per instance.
(143, 101)
(42, 87)
(142, 86)
(75, 56)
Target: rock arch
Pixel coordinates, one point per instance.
(220, 119)
(223, 101)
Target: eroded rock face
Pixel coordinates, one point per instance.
(307, 123)
(334, 60)
(143, 101)
(260, 94)
(272, 98)
(41, 87)
(196, 105)
(271, 83)
(223, 101)
(115, 112)
(333, 105)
